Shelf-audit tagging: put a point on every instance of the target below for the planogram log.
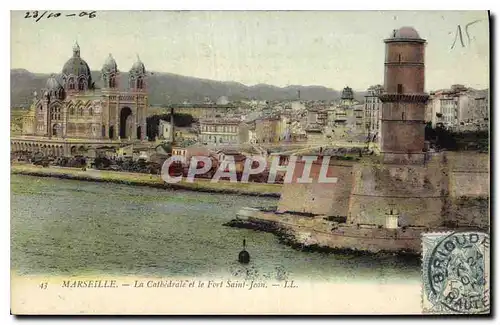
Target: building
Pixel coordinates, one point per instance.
(71, 105)
(165, 130)
(268, 129)
(404, 99)
(205, 110)
(347, 97)
(359, 117)
(458, 108)
(185, 135)
(247, 132)
(219, 130)
(373, 110)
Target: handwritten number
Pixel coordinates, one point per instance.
(41, 16)
(37, 17)
(43, 285)
(458, 34)
(90, 14)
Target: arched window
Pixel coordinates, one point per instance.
(81, 84)
(71, 84)
(90, 111)
(80, 111)
(72, 110)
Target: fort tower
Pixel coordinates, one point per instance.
(403, 108)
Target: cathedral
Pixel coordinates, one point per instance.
(71, 106)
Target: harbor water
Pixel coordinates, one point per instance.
(68, 227)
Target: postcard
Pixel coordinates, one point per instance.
(250, 162)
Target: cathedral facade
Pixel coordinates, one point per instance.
(72, 107)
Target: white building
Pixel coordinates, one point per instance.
(219, 130)
(373, 112)
(164, 130)
(458, 108)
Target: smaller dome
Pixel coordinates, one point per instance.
(53, 84)
(110, 63)
(405, 32)
(138, 67)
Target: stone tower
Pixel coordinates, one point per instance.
(403, 108)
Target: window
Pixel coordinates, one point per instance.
(81, 84)
(400, 88)
(90, 111)
(140, 83)
(55, 113)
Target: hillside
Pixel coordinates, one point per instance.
(167, 87)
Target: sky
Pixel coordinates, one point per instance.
(328, 48)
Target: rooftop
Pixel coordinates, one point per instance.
(405, 34)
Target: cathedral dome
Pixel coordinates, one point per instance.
(53, 84)
(138, 67)
(77, 66)
(110, 64)
(54, 89)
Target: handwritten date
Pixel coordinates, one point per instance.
(38, 15)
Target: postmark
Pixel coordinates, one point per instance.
(455, 273)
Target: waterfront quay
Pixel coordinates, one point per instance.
(204, 185)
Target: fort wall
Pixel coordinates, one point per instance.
(415, 192)
(449, 187)
(470, 174)
(318, 198)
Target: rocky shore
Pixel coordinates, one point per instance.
(155, 181)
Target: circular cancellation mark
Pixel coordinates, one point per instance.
(455, 272)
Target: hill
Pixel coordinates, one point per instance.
(171, 88)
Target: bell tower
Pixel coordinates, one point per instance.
(403, 99)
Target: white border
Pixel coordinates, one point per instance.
(190, 5)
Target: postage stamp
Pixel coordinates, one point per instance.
(455, 273)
